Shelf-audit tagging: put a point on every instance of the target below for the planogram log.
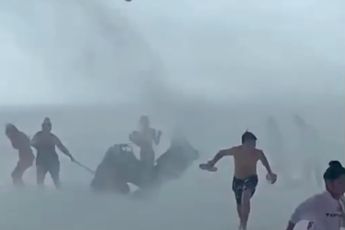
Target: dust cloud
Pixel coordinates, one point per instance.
(207, 70)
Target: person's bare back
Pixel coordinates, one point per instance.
(246, 157)
(245, 161)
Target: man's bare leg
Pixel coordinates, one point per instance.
(239, 212)
(245, 208)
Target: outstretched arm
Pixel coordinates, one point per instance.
(220, 155)
(62, 148)
(265, 162)
(305, 211)
(34, 141)
(13, 143)
(342, 205)
(290, 226)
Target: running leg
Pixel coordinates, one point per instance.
(245, 207)
(54, 171)
(237, 187)
(41, 172)
(17, 175)
(248, 191)
(239, 212)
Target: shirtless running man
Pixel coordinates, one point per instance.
(245, 179)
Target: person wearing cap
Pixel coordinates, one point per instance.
(324, 211)
(245, 178)
(144, 139)
(20, 142)
(47, 159)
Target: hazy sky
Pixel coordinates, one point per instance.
(176, 51)
(109, 51)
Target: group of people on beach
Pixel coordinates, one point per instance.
(45, 143)
(47, 160)
(323, 211)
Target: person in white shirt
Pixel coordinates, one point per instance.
(324, 211)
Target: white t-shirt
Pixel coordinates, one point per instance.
(322, 210)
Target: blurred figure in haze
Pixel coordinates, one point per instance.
(310, 148)
(144, 138)
(276, 146)
(21, 143)
(47, 159)
(324, 211)
(245, 179)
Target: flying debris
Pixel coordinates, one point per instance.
(120, 167)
